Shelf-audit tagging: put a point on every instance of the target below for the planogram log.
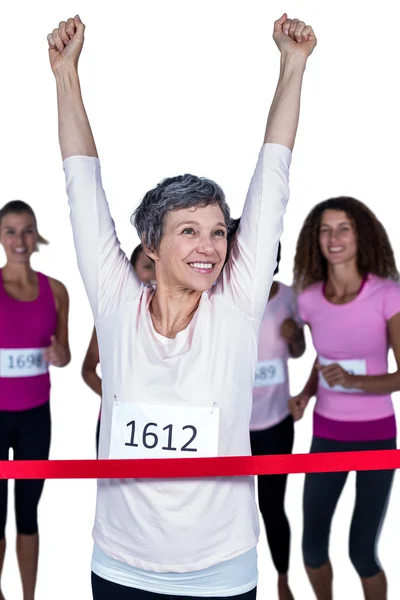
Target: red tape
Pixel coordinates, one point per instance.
(223, 466)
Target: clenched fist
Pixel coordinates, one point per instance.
(65, 44)
(297, 406)
(56, 354)
(294, 37)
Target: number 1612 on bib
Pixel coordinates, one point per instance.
(152, 431)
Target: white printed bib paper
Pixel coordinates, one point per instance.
(152, 431)
(270, 372)
(354, 367)
(22, 362)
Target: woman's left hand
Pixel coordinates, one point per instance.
(56, 354)
(335, 375)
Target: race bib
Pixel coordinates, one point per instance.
(22, 362)
(270, 372)
(149, 431)
(354, 367)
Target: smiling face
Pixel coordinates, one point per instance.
(337, 237)
(19, 237)
(193, 248)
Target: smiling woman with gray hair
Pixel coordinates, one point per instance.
(178, 361)
(173, 194)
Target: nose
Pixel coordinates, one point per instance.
(19, 238)
(333, 235)
(205, 246)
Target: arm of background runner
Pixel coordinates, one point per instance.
(296, 342)
(249, 272)
(371, 384)
(293, 328)
(90, 362)
(311, 386)
(106, 272)
(58, 353)
(298, 404)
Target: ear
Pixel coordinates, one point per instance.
(151, 253)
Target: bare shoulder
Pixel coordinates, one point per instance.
(59, 290)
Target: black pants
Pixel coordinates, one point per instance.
(106, 590)
(271, 490)
(321, 495)
(28, 433)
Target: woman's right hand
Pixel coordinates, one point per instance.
(294, 37)
(297, 405)
(65, 44)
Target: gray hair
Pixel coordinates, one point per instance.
(174, 193)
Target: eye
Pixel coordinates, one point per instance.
(220, 233)
(188, 231)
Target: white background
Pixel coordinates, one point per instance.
(181, 86)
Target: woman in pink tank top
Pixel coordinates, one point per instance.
(144, 268)
(349, 297)
(33, 335)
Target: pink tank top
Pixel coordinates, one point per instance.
(25, 330)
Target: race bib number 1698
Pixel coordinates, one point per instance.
(151, 431)
(25, 362)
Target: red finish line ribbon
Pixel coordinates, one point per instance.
(223, 466)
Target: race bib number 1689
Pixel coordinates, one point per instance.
(269, 372)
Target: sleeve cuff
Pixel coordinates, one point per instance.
(277, 150)
(80, 159)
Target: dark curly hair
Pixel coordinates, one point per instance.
(375, 253)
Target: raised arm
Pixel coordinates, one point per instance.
(106, 272)
(249, 272)
(296, 41)
(65, 47)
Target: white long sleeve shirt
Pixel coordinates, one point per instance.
(179, 525)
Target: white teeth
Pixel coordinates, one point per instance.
(20, 250)
(336, 249)
(201, 265)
